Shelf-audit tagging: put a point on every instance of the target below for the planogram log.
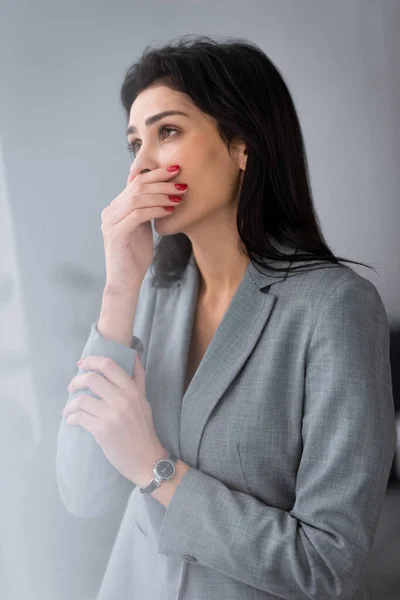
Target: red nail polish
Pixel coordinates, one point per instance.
(173, 168)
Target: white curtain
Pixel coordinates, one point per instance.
(20, 431)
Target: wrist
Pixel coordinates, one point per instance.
(167, 489)
(148, 475)
(112, 291)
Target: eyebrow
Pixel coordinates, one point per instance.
(155, 118)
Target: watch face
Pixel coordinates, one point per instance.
(165, 469)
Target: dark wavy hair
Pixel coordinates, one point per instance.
(237, 84)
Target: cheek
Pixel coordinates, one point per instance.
(205, 181)
(210, 178)
(213, 188)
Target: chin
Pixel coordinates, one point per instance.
(163, 226)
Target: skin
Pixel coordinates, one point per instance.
(122, 424)
(207, 213)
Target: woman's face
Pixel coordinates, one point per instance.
(192, 142)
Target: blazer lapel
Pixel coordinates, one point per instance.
(235, 338)
(237, 334)
(229, 349)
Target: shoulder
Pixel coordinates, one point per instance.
(334, 297)
(319, 286)
(324, 278)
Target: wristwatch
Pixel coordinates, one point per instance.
(163, 470)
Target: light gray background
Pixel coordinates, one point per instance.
(63, 159)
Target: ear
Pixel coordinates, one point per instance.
(243, 160)
(241, 156)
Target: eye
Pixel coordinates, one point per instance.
(132, 145)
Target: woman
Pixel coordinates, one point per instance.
(253, 458)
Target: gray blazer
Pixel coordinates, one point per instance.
(288, 428)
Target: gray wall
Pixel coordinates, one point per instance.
(63, 159)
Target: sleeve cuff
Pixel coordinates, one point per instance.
(124, 356)
(175, 537)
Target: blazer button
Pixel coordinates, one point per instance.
(189, 558)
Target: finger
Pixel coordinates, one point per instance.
(109, 368)
(86, 421)
(88, 404)
(131, 177)
(98, 384)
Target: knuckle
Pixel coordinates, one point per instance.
(71, 406)
(91, 377)
(77, 402)
(104, 215)
(137, 188)
(107, 362)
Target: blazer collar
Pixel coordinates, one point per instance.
(262, 276)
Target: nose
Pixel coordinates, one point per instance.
(133, 167)
(131, 173)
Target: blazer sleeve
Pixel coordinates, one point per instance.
(89, 485)
(319, 549)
